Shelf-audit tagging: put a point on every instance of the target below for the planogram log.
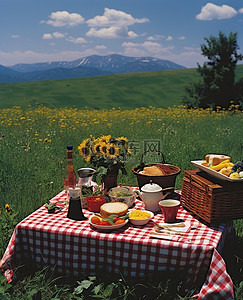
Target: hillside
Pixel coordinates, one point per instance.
(159, 89)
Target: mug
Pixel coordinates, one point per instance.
(169, 208)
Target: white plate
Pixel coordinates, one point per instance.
(198, 164)
(108, 227)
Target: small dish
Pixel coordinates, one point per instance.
(94, 203)
(141, 221)
(122, 194)
(108, 227)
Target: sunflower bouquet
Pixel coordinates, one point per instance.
(105, 153)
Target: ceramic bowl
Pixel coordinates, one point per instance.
(118, 194)
(141, 221)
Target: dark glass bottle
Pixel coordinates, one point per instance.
(70, 177)
(75, 208)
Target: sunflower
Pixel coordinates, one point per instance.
(112, 151)
(103, 148)
(105, 138)
(96, 146)
(124, 141)
(84, 150)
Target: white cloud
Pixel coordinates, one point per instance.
(113, 24)
(15, 36)
(111, 32)
(100, 47)
(241, 10)
(47, 36)
(149, 46)
(58, 35)
(112, 17)
(78, 40)
(134, 52)
(181, 38)
(64, 18)
(211, 11)
(169, 38)
(155, 37)
(11, 58)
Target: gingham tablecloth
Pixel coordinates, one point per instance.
(73, 247)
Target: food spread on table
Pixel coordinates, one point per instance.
(223, 165)
(111, 205)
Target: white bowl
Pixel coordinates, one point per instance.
(129, 200)
(141, 221)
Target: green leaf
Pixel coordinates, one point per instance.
(97, 288)
(110, 218)
(85, 284)
(109, 289)
(102, 170)
(126, 216)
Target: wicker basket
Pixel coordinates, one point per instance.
(166, 180)
(211, 199)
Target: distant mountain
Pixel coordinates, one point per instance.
(93, 65)
(62, 73)
(9, 75)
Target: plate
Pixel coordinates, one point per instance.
(216, 174)
(109, 227)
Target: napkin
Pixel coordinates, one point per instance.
(177, 232)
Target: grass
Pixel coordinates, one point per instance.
(157, 89)
(33, 160)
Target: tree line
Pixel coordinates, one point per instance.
(217, 85)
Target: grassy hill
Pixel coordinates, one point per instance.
(159, 89)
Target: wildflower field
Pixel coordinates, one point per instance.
(33, 160)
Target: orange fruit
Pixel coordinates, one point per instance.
(119, 221)
(95, 220)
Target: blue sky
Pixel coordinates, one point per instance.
(52, 30)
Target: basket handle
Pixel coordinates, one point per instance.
(159, 152)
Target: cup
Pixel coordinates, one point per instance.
(169, 208)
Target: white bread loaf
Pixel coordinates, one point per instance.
(110, 208)
(215, 159)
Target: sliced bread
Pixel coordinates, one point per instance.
(215, 159)
(117, 208)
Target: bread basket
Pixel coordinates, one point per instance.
(166, 180)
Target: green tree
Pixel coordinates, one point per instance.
(217, 86)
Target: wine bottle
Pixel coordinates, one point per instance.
(70, 177)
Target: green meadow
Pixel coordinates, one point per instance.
(52, 114)
(158, 89)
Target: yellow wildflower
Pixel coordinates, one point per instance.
(7, 208)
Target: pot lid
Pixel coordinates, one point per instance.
(151, 188)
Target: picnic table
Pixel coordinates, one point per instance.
(75, 248)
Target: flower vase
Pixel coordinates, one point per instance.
(109, 181)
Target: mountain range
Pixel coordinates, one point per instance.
(93, 65)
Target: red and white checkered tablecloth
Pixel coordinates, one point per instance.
(73, 247)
